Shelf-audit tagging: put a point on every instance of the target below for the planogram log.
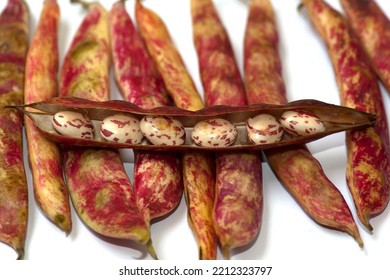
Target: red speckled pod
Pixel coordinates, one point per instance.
(13, 184)
(99, 186)
(299, 172)
(157, 175)
(167, 59)
(197, 173)
(218, 68)
(372, 26)
(368, 166)
(50, 191)
(238, 206)
(135, 74)
(199, 181)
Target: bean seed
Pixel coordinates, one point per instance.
(73, 124)
(264, 129)
(121, 128)
(214, 133)
(162, 130)
(301, 123)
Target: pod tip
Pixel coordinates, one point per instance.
(359, 240)
(365, 221)
(85, 4)
(152, 252)
(20, 252)
(226, 252)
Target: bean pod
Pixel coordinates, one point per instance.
(335, 119)
(298, 171)
(50, 190)
(100, 189)
(199, 190)
(368, 158)
(236, 219)
(157, 175)
(372, 27)
(13, 190)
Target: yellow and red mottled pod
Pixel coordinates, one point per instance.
(13, 183)
(218, 68)
(238, 207)
(262, 66)
(199, 181)
(157, 175)
(169, 63)
(50, 191)
(100, 189)
(368, 166)
(299, 172)
(372, 26)
(198, 176)
(135, 74)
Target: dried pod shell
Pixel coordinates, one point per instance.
(264, 129)
(121, 128)
(73, 124)
(162, 130)
(301, 123)
(182, 122)
(214, 133)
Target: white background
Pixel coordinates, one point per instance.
(287, 233)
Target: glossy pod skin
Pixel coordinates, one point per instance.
(168, 61)
(158, 179)
(104, 198)
(372, 27)
(368, 165)
(336, 119)
(50, 190)
(298, 171)
(238, 206)
(198, 177)
(13, 182)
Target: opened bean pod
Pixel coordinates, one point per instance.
(173, 128)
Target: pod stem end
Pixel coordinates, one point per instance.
(152, 252)
(84, 3)
(20, 252)
(226, 252)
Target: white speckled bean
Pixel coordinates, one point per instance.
(162, 130)
(264, 129)
(121, 128)
(301, 123)
(73, 124)
(214, 133)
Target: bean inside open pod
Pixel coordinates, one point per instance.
(335, 119)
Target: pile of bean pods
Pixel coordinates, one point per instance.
(200, 143)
